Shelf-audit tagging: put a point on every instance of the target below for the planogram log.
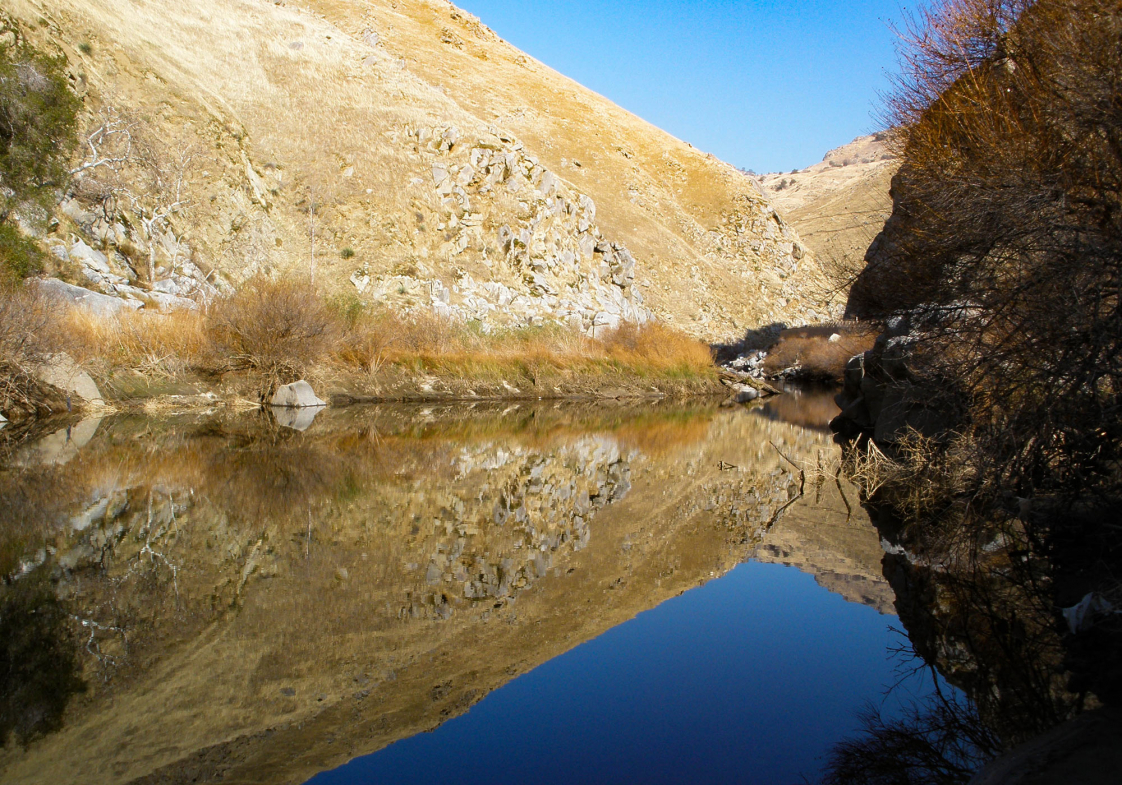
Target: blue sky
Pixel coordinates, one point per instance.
(769, 86)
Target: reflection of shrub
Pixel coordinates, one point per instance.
(38, 662)
(280, 327)
(939, 741)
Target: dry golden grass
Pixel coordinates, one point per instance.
(434, 344)
(153, 344)
(280, 330)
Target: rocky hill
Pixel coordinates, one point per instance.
(400, 152)
(840, 204)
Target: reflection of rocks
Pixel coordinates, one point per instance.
(843, 557)
(337, 591)
(545, 504)
(62, 445)
(300, 419)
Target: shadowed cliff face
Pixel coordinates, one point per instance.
(261, 604)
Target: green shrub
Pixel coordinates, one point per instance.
(38, 126)
(19, 257)
(347, 253)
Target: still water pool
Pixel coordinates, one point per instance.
(749, 678)
(549, 592)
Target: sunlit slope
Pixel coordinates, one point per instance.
(433, 150)
(840, 204)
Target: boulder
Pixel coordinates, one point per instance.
(95, 303)
(170, 302)
(88, 257)
(60, 370)
(298, 395)
(745, 393)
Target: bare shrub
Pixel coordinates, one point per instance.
(808, 353)
(278, 327)
(28, 330)
(1005, 240)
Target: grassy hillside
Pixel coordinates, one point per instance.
(401, 153)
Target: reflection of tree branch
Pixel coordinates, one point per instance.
(841, 492)
(154, 556)
(802, 474)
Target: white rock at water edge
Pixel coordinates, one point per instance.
(296, 419)
(60, 370)
(298, 395)
(746, 393)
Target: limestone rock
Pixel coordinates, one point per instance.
(88, 257)
(60, 370)
(745, 393)
(95, 303)
(298, 395)
(170, 302)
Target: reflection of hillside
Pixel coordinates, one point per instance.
(290, 600)
(843, 556)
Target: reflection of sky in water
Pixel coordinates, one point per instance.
(750, 678)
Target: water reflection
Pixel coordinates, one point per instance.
(262, 603)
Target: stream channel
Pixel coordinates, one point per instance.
(510, 592)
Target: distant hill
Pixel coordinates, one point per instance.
(839, 205)
(402, 153)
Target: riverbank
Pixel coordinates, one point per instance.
(58, 357)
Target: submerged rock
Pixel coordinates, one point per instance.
(298, 395)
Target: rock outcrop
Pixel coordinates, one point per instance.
(879, 397)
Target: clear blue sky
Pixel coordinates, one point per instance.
(764, 85)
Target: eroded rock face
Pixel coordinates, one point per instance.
(465, 179)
